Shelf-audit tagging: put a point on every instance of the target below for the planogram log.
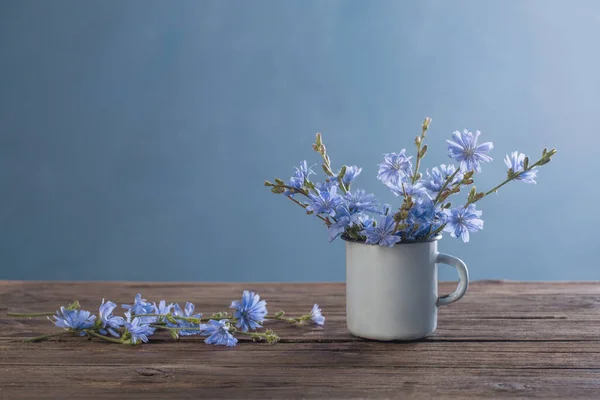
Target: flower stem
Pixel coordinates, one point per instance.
(10, 314)
(419, 144)
(304, 206)
(445, 185)
(109, 339)
(511, 178)
(44, 337)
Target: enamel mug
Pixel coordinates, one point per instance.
(392, 292)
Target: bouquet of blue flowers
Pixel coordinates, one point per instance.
(425, 210)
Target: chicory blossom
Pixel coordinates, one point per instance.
(515, 162)
(74, 320)
(110, 322)
(250, 312)
(316, 316)
(351, 173)
(138, 330)
(464, 148)
(460, 221)
(326, 185)
(141, 306)
(301, 174)
(395, 166)
(218, 333)
(438, 176)
(383, 233)
(187, 312)
(358, 200)
(162, 308)
(324, 202)
(408, 188)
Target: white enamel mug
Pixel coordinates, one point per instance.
(392, 292)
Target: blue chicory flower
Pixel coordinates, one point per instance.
(395, 166)
(326, 185)
(438, 176)
(358, 200)
(140, 306)
(109, 321)
(250, 312)
(324, 202)
(344, 218)
(410, 189)
(137, 329)
(301, 174)
(421, 216)
(74, 320)
(351, 173)
(382, 233)
(162, 308)
(464, 148)
(187, 312)
(460, 221)
(316, 316)
(516, 162)
(218, 333)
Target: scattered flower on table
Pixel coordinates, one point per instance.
(110, 323)
(136, 329)
(316, 316)
(425, 206)
(250, 311)
(188, 314)
(218, 333)
(74, 320)
(142, 320)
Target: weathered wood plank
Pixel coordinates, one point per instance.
(531, 355)
(163, 381)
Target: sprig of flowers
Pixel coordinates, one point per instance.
(425, 210)
(142, 319)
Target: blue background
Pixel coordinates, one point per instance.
(135, 136)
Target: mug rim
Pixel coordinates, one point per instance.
(432, 239)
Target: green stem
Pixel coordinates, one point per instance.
(10, 314)
(509, 179)
(108, 339)
(43, 337)
(445, 185)
(418, 162)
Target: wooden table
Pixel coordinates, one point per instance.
(503, 339)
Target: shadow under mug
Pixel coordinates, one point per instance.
(392, 292)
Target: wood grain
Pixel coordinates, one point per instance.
(504, 339)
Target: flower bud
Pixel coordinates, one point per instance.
(468, 175)
(423, 151)
(426, 123)
(279, 181)
(267, 183)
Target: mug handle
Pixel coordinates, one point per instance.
(463, 278)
